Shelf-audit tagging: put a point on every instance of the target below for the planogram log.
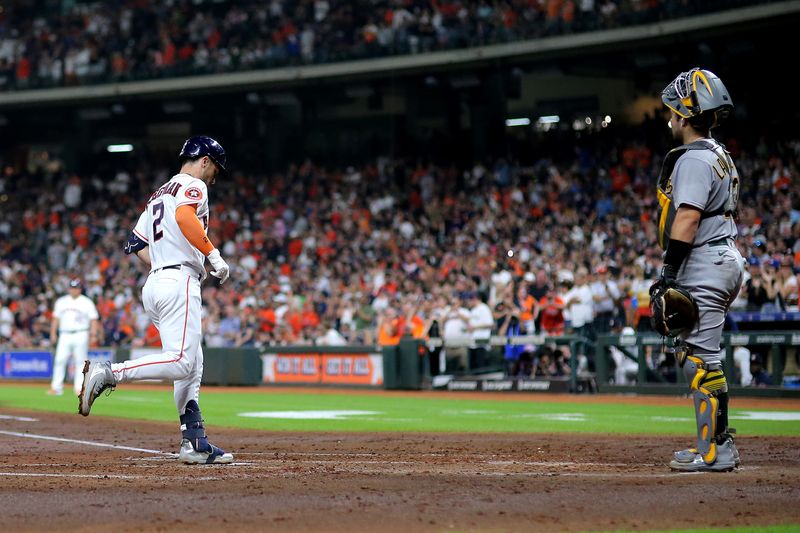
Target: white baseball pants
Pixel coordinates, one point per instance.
(70, 345)
(172, 300)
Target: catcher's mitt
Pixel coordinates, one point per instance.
(674, 310)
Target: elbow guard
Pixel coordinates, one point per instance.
(134, 244)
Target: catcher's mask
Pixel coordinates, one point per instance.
(697, 92)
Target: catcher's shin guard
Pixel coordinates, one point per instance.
(709, 390)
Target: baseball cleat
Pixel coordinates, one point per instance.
(213, 455)
(687, 455)
(97, 377)
(690, 461)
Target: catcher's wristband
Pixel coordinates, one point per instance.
(676, 253)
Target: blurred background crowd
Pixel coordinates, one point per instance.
(465, 228)
(369, 253)
(83, 43)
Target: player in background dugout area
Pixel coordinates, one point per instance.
(697, 194)
(170, 237)
(74, 327)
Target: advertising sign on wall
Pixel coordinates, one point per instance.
(26, 364)
(352, 369)
(291, 368)
(33, 364)
(320, 368)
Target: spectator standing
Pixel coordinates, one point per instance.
(528, 307)
(759, 287)
(390, 328)
(364, 320)
(579, 299)
(6, 323)
(508, 325)
(787, 285)
(455, 332)
(552, 314)
(605, 293)
(480, 325)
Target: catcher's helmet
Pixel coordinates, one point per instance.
(201, 145)
(696, 92)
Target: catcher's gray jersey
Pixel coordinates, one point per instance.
(707, 180)
(703, 175)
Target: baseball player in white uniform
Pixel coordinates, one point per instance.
(170, 236)
(74, 325)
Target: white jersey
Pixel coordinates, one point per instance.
(74, 314)
(159, 229)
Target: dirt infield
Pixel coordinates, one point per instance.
(375, 482)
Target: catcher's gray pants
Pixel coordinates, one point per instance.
(713, 274)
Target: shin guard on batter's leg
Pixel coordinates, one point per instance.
(707, 384)
(195, 447)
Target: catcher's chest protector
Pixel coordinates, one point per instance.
(666, 208)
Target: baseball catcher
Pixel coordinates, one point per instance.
(697, 194)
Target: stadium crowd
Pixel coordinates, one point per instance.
(367, 254)
(128, 40)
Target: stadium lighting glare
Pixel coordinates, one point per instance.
(119, 148)
(588, 121)
(549, 119)
(607, 119)
(511, 122)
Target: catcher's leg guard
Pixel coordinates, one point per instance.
(715, 449)
(706, 382)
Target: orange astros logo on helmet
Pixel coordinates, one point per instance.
(194, 193)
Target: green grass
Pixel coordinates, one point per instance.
(399, 412)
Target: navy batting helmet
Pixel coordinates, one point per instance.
(201, 145)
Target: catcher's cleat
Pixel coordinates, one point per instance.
(97, 377)
(727, 458)
(210, 455)
(687, 455)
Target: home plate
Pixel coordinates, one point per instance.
(308, 415)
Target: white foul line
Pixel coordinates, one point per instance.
(18, 418)
(94, 476)
(86, 442)
(105, 476)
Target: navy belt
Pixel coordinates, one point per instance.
(72, 331)
(177, 267)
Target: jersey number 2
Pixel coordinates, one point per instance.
(158, 215)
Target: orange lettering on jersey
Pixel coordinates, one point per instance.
(194, 193)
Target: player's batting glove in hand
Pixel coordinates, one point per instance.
(221, 268)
